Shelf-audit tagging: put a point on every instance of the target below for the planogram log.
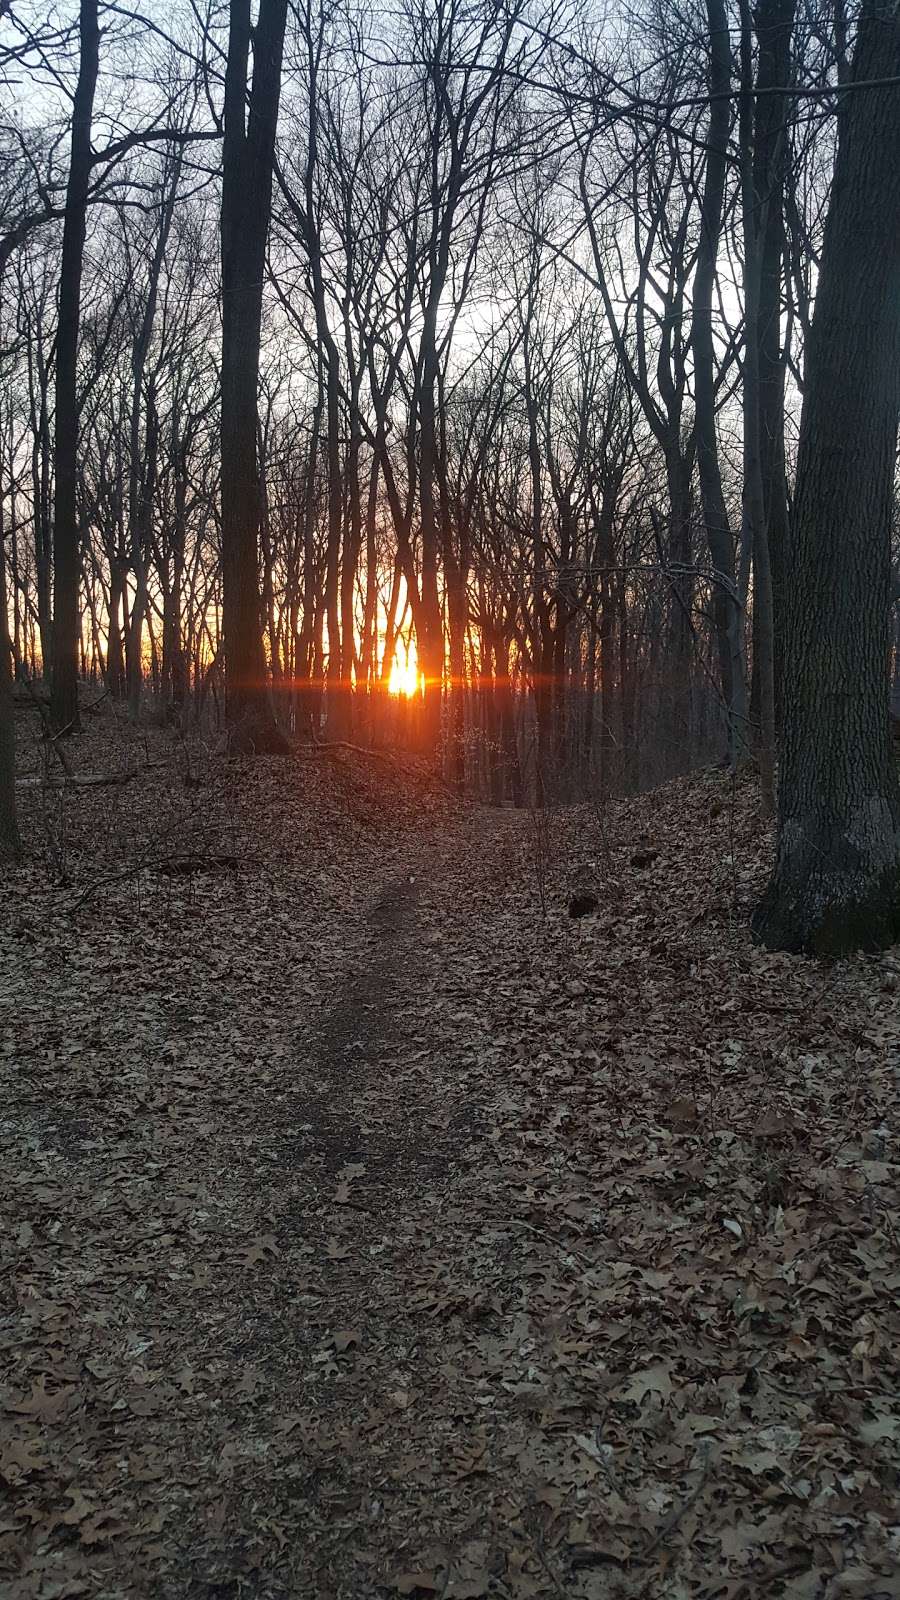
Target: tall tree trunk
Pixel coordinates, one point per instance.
(175, 669)
(505, 711)
(367, 665)
(836, 882)
(542, 644)
(431, 645)
(338, 672)
(307, 689)
(41, 457)
(774, 22)
(115, 655)
(605, 630)
(142, 473)
(629, 758)
(335, 688)
(140, 513)
(678, 749)
(352, 545)
(248, 159)
(754, 531)
(66, 551)
(727, 613)
(9, 827)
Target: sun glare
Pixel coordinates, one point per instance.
(405, 678)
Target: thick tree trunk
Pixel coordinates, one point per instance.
(248, 159)
(66, 547)
(836, 883)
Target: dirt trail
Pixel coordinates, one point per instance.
(220, 1246)
(368, 1232)
(362, 1040)
(382, 1134)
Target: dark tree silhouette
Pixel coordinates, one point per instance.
(248, 160)
(836, 883)
(66, 552)
(9, 826)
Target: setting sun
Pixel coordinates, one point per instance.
(405, 677)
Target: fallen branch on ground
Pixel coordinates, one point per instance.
(169, 866)
(175, 866)
(91, 780)
(327, 747)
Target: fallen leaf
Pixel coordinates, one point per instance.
(650, 1380)
(260, 1250)
(417, 1582)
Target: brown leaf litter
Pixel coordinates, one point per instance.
(367, 1231)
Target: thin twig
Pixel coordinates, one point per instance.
(675, 1515)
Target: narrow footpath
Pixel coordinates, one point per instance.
(373, 1227)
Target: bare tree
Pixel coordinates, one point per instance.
(836, 883)
(9, 827)
(66, 538)
(247, 166)
(727, 607)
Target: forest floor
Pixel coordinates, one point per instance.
(373, 1227)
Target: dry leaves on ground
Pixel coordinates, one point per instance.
(368, 1231)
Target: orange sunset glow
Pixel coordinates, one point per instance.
(405, 677)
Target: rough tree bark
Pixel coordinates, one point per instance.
(836, 882)
(66, 551)
(248, 158)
